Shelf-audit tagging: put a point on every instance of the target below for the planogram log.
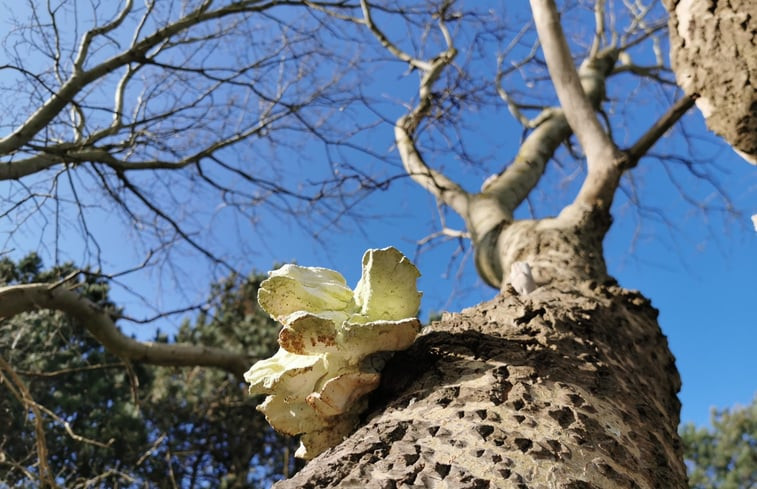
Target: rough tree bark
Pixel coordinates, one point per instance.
(570, 386)
(713, 48)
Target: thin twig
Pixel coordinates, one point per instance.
(25, 397)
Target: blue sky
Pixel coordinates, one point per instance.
(697, 264)
(700, 276)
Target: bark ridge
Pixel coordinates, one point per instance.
(713, 48)
(522, 392)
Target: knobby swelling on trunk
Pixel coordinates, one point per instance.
(713, 49)
(571, 386)
(567, 247)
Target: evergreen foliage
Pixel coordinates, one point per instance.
(144, 426)
(725, 456)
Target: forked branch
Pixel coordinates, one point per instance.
(603, 157)
(19, 390)
(435, 182)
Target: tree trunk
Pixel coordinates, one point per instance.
(713, 48)
(570, 386)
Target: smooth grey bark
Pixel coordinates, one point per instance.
(16, 299)
(713, 49)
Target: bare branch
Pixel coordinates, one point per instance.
(578, 110)
(503, 94)
(514, 184)
(599, 28)
(19, 390)
(71, 370)
(658, 129)
(603, 158)
(639, 22)
(651, 72)
(137, 52)
(70, 432)
(17, 299)
(86, 41)
(432, 180)
(550, 130)
(421, 65)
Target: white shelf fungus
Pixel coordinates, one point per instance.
(315, 383)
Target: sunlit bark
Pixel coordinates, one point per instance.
(713, 49)
(570, 386)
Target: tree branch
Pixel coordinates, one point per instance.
(649, 138)
(432, 180)
(438, 184)
(19, 390)
(599, 30)
(603, 158)
(550, 130)
(137, 52)
(17, 299)
(86, 41)
(155, 209)
(514, 184)
(391, 47)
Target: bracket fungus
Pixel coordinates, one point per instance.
(331, 344)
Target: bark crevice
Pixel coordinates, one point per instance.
(713, 49)
(575, 378)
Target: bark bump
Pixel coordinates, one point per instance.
(714, 54)
(522, 393)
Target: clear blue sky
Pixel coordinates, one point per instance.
(699, 268)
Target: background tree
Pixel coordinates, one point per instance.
(723, 456)
(213, 435)
(148, 112)
(109, 423)
(50, 371)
